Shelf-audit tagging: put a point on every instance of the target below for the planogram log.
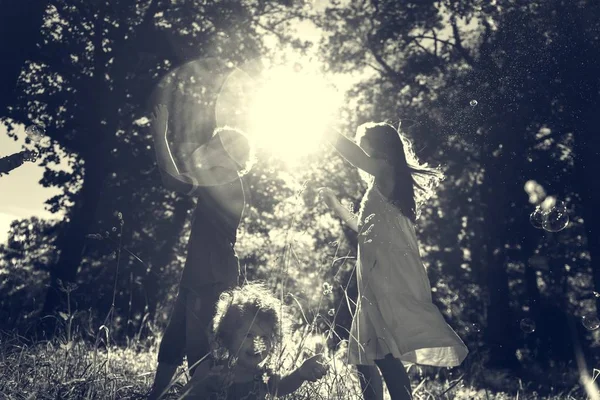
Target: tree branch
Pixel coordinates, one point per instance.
(389, 71)
(382, 72)
(458, 43)
(282, 38)
(484, 49)
(423, 48)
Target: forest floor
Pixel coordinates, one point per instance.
(69, 367)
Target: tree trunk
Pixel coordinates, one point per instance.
(500, 330)
(529, 242)
(72, 240)
(582, 95)
(587, 165)
(501, 185)
(19, 19)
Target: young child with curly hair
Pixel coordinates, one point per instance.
(247, 331)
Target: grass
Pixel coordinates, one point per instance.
(93, 369)
(76, 365)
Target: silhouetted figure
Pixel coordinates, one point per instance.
(213, 174)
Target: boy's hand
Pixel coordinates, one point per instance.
(160, 117)
(314, 368)
(327, 196)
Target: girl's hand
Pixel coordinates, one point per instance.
(314, 368)
(327, 196)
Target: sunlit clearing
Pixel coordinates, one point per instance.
(291, 110)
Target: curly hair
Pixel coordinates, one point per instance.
(252, 300)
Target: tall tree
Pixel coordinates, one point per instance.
(89, 81)
(21, 20)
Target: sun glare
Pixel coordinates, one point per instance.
(291, 110)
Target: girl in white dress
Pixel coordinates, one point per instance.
(395, 319)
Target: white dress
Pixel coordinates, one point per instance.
(395, 313)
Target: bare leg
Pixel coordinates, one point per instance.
(396, 378)
(370, 382)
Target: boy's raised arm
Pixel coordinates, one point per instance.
(160, 129)
(172, 177)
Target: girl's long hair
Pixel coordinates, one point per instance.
(414, 182)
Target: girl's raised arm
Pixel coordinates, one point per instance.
(356, 156)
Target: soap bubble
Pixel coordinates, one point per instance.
(555, 219)
(537, 218)
(473, 103)
(35, 133)
(590, 322)
(527, 325)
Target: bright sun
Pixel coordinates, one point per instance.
(290, 111)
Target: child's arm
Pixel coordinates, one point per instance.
(160, 129)
(311, 370)
(332, 202)
(171, 175)
(356, 156)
